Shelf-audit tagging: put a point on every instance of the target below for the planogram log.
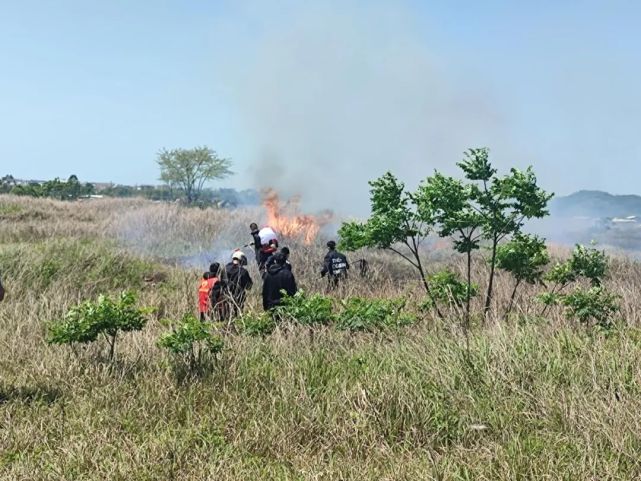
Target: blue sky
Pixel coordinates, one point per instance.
(322, 92)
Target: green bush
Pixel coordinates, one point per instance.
(373, 314)
(448, 289)
(306, 309)
(524, 256)
(85, 322)
(590, 263)
(192, 341)
(594, 304)
(549, 298)
(587, 262)
(261, 324)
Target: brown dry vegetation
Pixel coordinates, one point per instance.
(535, 398)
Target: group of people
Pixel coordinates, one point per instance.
(223, 291)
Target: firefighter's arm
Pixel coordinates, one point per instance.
(292, 288)
(216, 292)
(264, 293)
(248, 280)
(325, 269)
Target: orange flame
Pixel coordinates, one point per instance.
(288, 222)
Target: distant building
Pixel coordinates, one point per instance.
(29, 182)
(631, 219)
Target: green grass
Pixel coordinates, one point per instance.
(93, 266)
(523, 405)
(10, 210)
(531, 398)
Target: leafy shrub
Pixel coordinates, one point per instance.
(447, 288)
(594, 304)
(549, 298)
(590, 263)
(373, 314)
(524, 256)
(192, 340)
(305, 309)
(587, 262)
(85, 322)
(261, 324)
(561, 274)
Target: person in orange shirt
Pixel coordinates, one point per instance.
(204, 294)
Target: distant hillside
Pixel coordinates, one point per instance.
(595, 204)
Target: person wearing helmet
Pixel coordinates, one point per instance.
(265, 244)
(266, 251)
(285, 251)
(335, 265)
(238, 281)
(277, 279)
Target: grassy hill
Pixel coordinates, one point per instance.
(594, 203)
(533, 398)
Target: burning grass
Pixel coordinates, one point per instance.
(289, 222)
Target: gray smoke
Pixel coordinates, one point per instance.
(334, 95)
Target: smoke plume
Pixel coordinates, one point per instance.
(334, 95)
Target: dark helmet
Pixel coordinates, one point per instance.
(331, 244)
(285, 251)
(280, 259)
(214, 267)
(253, 226)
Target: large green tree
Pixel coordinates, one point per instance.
(191, 169)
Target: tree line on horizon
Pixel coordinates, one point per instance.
(185, 173)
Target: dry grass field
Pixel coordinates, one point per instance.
(534, 398)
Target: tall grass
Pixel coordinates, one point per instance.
(533, 399)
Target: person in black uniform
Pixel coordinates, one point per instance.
(219, 305)
(285, 251)
(253, 228)
(238, 281)
(277, 279)
(335, 266)
(263, 252)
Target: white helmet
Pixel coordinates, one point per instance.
(239, 256)
(267, 235)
